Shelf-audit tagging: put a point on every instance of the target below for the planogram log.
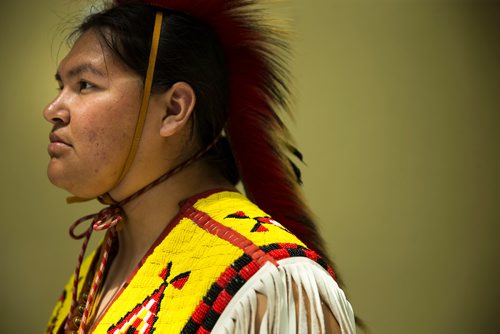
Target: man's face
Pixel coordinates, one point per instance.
(93, 119)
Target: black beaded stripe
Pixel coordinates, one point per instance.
(210, 320)
(270, 247)
(235, 284)
(212, 294)
(241, 262)
(323, 263)
(296, 252)
(190, 327)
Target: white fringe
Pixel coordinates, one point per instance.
(314, 286)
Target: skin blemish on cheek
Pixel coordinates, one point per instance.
(91, 136)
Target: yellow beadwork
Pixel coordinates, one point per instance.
(190, 249)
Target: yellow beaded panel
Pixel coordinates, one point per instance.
(221, 205)
(192, 250)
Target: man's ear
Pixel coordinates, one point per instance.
(179, 104)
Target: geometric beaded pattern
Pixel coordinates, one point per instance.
(260, 222)
(142, 318)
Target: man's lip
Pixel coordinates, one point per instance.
(54, 138)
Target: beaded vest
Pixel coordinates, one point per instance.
(215, 244)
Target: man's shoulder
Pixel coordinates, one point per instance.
(235, 213)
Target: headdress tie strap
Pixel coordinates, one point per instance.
(139, 127)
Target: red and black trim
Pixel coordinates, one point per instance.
(220, 294)
(234, 277)
(285, 250)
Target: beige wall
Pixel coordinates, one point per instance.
(397, 115)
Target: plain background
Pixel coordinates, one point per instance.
(397, 113)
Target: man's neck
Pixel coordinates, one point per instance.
(149, 214)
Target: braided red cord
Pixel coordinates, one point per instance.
(106, 219)
(97, 280)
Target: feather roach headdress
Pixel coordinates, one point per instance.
(255, 54)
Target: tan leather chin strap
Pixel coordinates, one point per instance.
(145, 97)
(148, 83)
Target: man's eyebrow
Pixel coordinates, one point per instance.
(75, 71)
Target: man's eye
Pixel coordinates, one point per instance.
(85, 85)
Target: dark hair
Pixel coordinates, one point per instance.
(188, 51)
